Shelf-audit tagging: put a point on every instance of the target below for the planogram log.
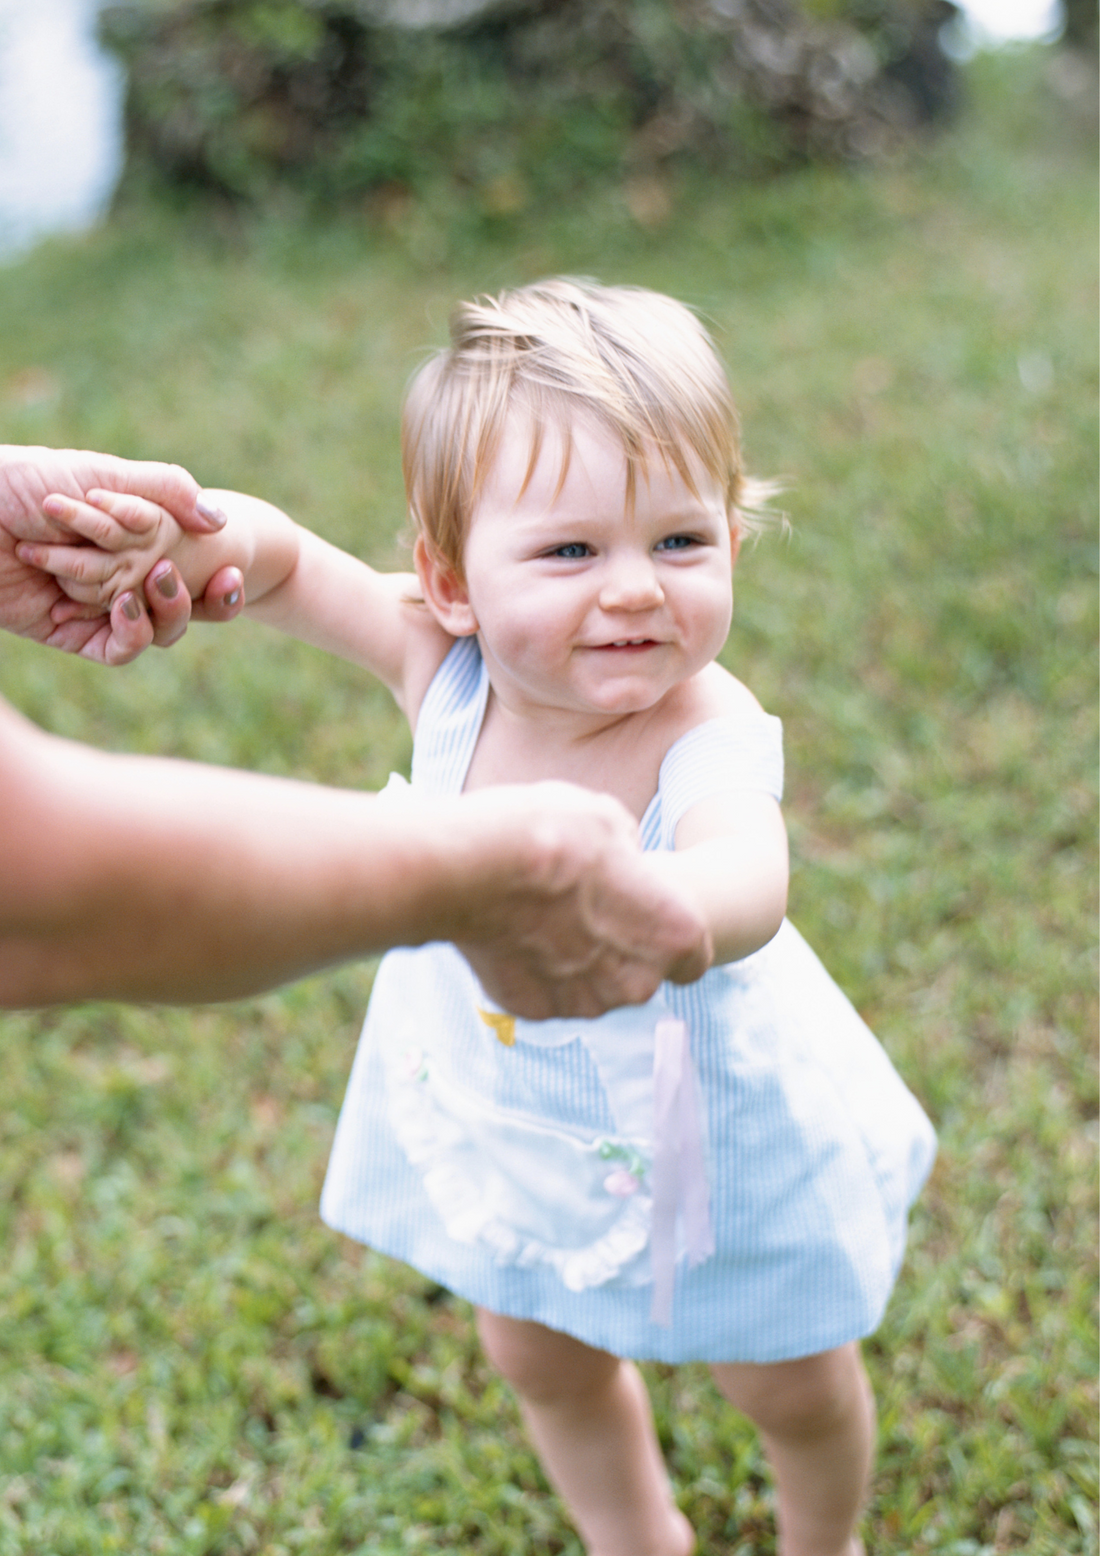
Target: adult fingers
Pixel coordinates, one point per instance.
(106, 640)
(224, 596)
(170, 485)
(131, 632)
(169, 604)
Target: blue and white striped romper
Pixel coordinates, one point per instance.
(514, 1162)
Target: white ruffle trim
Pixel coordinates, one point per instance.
(448, 1151)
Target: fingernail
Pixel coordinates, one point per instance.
(232, 597)
(130, 607)
(165, 583)
(210, 511)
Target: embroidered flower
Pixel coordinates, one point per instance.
(621, 1183)
(414, 1065)
(633, 1165)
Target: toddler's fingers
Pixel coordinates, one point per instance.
(88, 521)
(137, 515)
(85, 574)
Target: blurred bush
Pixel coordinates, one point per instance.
(518, 98)
(1082, 27)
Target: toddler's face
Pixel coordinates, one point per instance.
(580, 604)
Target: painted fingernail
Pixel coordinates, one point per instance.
(130, 607)
(210, 511)
(165, 583)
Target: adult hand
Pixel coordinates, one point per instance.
(577, 922)
(31, 603)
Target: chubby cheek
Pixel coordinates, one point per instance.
(519, 639)
(712, 618)
(727, 619)
(529, 618)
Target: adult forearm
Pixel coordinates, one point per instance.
(138, 878)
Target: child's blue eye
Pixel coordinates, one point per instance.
(676, 543)
(573, 552)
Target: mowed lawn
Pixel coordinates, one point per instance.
(191, 1363)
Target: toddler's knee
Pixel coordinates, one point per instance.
(541, 1364)
(800, 1398)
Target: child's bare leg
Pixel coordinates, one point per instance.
(589, 1418)
(816, 1418)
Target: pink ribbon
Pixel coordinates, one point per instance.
(679, 1171)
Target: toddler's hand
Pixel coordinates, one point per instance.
(124, 538)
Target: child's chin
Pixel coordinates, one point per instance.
(628, 700)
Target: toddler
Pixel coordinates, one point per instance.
(723, 1174)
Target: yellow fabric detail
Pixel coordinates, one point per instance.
(503, 1025)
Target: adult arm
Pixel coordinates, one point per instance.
(33, 605)
(140, 878)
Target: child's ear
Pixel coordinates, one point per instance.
(444, 591)
(735, 538)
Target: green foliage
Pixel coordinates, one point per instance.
(1081, 25)
(190, 1362)
(521, 102)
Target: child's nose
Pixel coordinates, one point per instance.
(630, 584)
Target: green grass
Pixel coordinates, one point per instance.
(190, 1362)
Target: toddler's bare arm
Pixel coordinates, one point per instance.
(731, 860)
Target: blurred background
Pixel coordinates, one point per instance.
(238, 92)
(231, 228)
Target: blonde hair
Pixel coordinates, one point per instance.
(637, 362)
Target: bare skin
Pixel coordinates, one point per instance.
(138, 878)
(135, 878)
(156, 611)
(598, 624)
(589, 1417)
(816, 1418)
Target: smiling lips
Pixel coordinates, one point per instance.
(628, 643)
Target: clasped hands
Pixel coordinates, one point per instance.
(563, 916)
(35, 484)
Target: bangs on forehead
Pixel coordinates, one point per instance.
(532, 412)
(634, 363)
